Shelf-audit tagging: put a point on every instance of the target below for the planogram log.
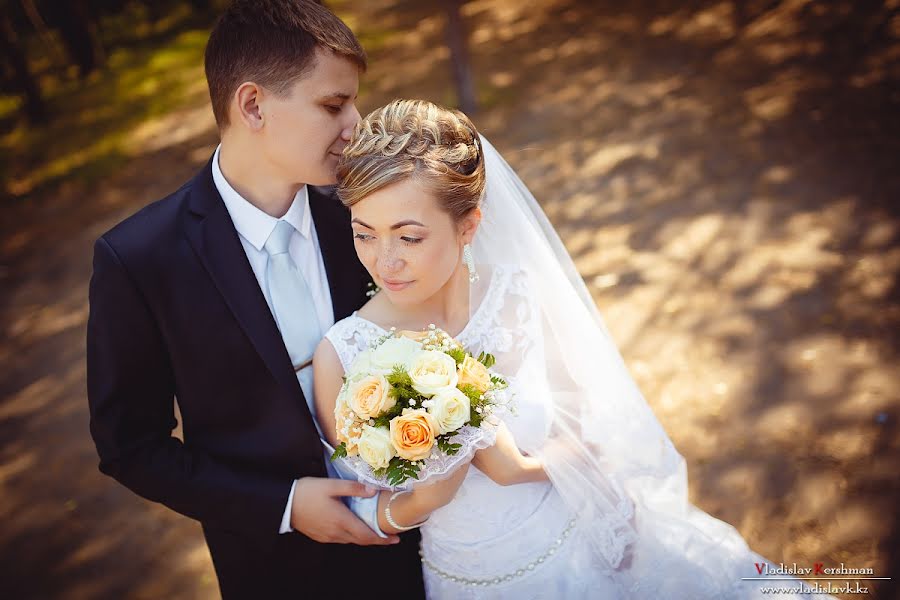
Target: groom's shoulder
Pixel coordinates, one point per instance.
(153, 227)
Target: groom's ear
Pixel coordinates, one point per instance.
(247, 105)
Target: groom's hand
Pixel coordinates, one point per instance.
(319, 513)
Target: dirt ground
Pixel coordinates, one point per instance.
(725, 177)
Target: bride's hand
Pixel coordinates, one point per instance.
(505, 464)
(415, 507)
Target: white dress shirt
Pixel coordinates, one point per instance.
(254, 227)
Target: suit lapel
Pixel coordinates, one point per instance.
(215, 240)
(346, 276)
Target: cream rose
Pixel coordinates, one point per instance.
(431, 371)
(375, 446)
(450, 409)
(361, 364)
(370, 396)
(472, 372)
(395, 351)
(347, 426)
(412, 434)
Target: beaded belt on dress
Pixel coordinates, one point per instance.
(509, 576)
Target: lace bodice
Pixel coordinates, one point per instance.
(503, 323)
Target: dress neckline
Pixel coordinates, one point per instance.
(459, 336)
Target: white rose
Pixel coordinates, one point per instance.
(361, 365)
(375, 446)
(393, 352)
(431, 371)
(450, 409)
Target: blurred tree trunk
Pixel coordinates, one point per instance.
(78, 35)
(459, 57)
(37, 21)
(23, 80)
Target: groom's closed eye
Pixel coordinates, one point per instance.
(334, 103)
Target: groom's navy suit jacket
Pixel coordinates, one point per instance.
(176, 312)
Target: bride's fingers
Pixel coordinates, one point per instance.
(341, 487)
(359, 533)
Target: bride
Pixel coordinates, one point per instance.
(583, 494)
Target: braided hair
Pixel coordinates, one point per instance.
(437, 146)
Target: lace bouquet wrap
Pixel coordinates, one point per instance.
(414, 406)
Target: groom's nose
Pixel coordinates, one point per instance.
(353, 118)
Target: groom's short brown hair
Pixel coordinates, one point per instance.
(272, 43)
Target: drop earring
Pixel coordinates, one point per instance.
(470, 263)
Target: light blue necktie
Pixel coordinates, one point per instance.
(292, 301)
(298, 322)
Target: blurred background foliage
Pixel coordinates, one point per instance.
(724, 173)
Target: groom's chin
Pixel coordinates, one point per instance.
(322, 180)
(327, 176)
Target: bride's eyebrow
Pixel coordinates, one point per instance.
(394, 226)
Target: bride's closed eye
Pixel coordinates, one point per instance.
(365, 237)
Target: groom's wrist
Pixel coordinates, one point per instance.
(286, 526)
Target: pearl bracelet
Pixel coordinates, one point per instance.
(390, 519)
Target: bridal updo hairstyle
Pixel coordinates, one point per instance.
(438, 147)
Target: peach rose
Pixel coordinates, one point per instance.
(370, 396)
(416, 336)
(471, 372)
(412, 434)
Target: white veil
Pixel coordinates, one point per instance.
(605, 451)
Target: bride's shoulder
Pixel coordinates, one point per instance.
(344, 328)
(508, 278)
(349, 336)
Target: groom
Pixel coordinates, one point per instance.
(217, 295)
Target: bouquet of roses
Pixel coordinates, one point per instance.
(411, 401)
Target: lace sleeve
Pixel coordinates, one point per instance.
(349, 337)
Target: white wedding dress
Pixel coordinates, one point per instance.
(524, 541)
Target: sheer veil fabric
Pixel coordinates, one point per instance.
(604, 450)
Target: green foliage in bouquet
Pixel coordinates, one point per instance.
(445, 445)
(398, 471)
(457, 354)
(476, 400)
(339, 452)
(487, 360)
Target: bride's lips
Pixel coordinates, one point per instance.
(396, 286)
